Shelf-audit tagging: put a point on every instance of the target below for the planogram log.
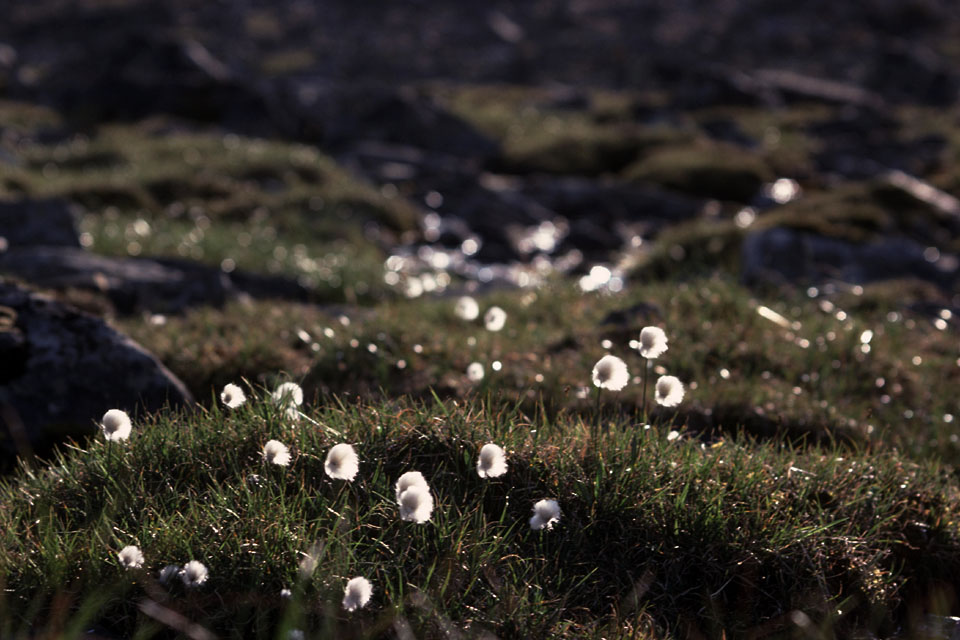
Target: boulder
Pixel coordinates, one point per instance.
(63, 369)
(129, 62)
(781, 255)
(165, 285)
(37, 222)
(341, 116)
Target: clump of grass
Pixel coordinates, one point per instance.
(690, 249)
(711, 170)
(209, 348)
(809, 373)
(158, 188)
(539, 133)
(670, 536)
(860, 213)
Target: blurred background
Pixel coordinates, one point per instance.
(556, 134)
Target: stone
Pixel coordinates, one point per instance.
(341, 116)
(165, 285)
(780, 255)
(62, 369)
(38, 222)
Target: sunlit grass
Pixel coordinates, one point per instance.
(654, 534)
(833, 366)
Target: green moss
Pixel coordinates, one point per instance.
(690, 249)
(780, 134)
(707, 169)
(536, 134)
(26, 118)
(583, 150)
(860, 212)
(266, 206)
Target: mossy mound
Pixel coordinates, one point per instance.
(724, 172)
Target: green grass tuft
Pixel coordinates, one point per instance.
(657, 537)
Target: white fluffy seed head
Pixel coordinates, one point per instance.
(288, 394)
(494, 319)
(194, 573)
(342, 462)
(669, 392)
(116, 425)
(611, 372)
(130, 557)
(653, 342)
(475, 372)
(467, 308)
(545, 514)
(416, 504)
(410, 479)
(357, 594)
(492, 462)
(232, 396)
(276, 452)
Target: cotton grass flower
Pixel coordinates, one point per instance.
(276, 452)
(130, 557)
(416, 504)
(342, 462)
(492, 462)
(232, 396)
(288, 394)
(168, 573)
(494, 319)
(194, 573)
(611, 372)
(653, 342)
(410, 479)
(475, 372)
(357, 594)
(669, 391)
(115, 425)
(467, 308)
(545, 514)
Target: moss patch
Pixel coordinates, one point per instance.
(710, 170)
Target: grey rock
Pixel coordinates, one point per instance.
(63, 369)
(38, 222)
(785, 255)
(340, 116)
(141, 284)
(131, 284)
